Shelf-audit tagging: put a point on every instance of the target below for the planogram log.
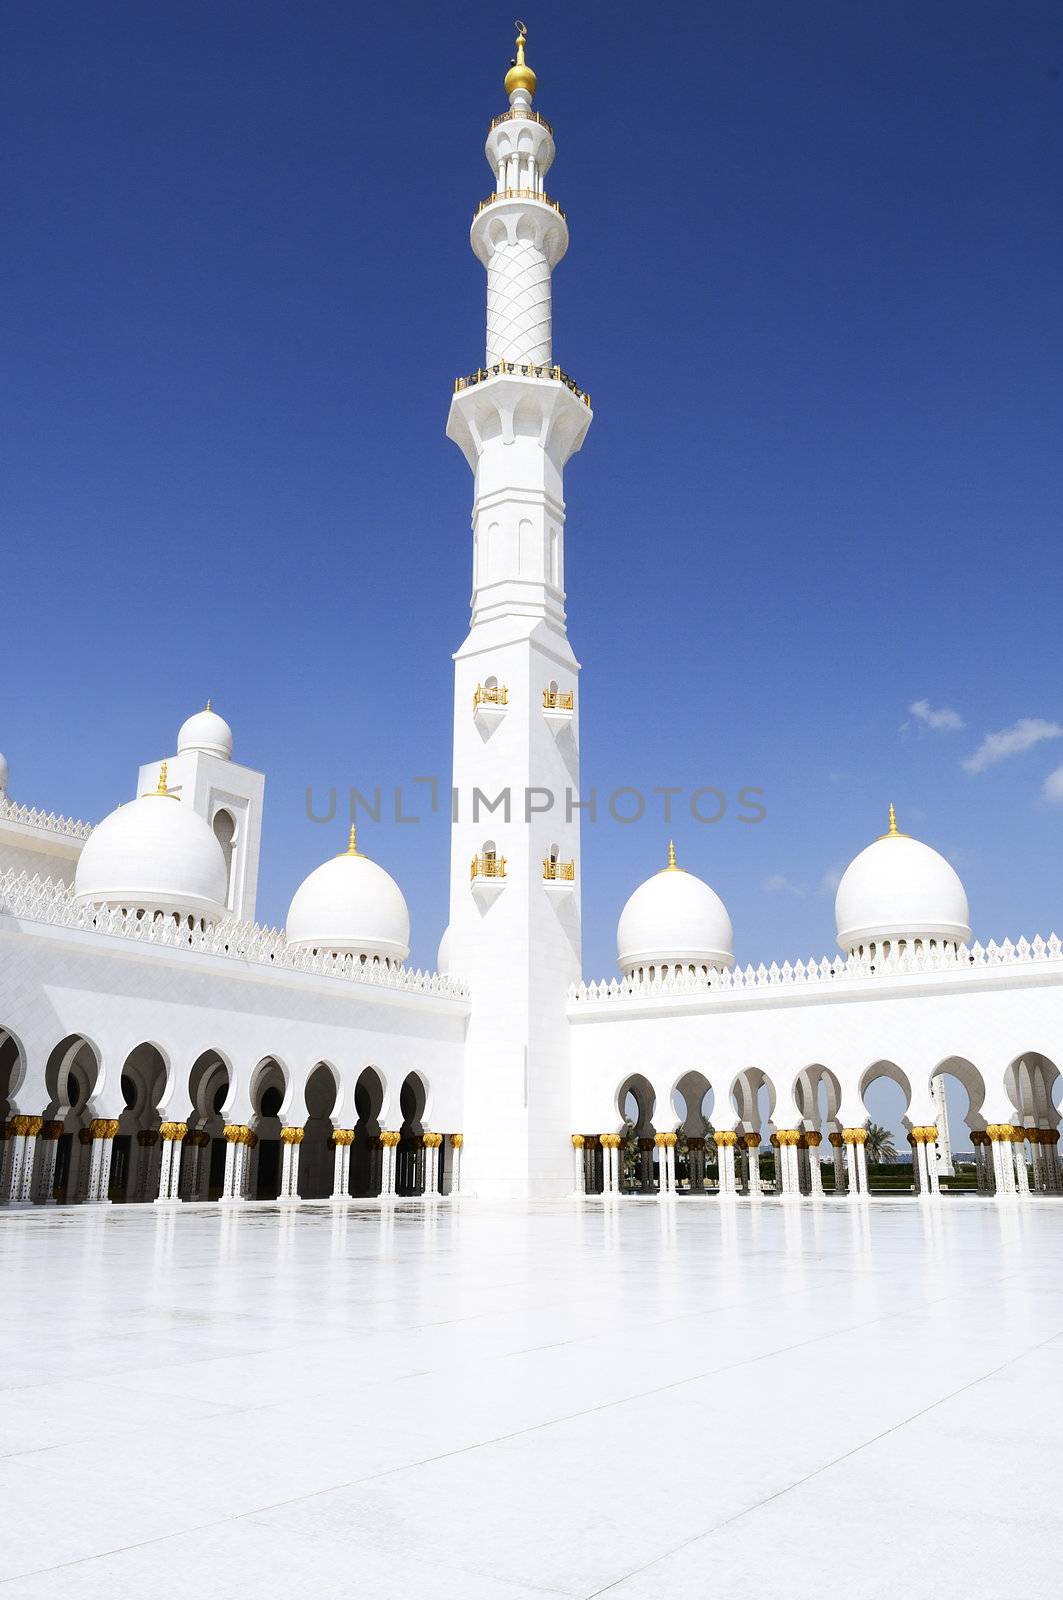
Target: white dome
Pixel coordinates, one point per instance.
(443, 954)
(4, 774)
(155, 854)
(206, 731)
(350, 904)
(674, 919)
(898, 888)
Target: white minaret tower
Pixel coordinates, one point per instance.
(515, 869)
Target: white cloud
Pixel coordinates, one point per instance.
(830, 880)
(1053, 787)
(938, 717)
(778, 884)
(1022, 735)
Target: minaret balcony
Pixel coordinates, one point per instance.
(522, 369)
(559, 877)
(559, 706)
(489, 705)
(519, 194)
(487, 875)
(527, 116)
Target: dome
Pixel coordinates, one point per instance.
(900, 889)
(349, 904)
(674, 919)
(443, 954)
(155, 854)
(4, 774)
(206, 731)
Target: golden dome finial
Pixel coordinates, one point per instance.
(894, 832)
(208, 702)
(671, 855)
(520, 75)
(352, 845)
(162, 791)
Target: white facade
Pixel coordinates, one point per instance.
(157, 1045)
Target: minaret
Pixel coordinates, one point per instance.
(515, 870)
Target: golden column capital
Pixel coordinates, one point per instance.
(836, 1139)
(610, 1141)
(814, 1140)
(103, 1127)
(457, 1140)
(999, 1132)
(240, 1133)
(433, 1140)
(292, 1135)
(343, 1135)
(29, 1127)
(146, 1137)
(725, 1136)
(665, 1140)
(854, 1135)
(52, 1130)
(751, 1140)
(174, 1130)
(789, 1135)
(389, 1137)
(925, 1134)
(577, 1141)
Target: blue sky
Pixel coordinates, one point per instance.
(814, 290)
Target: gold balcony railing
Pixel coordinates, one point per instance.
(519, 194)
(488, 866)
(522, 369)
(558, 699)
(491, 694)
(558, 871)
(528, 116)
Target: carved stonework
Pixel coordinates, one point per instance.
(173, 1130)
(292, 1135)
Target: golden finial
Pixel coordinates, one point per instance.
(671, 855)
(520, 75)
(352, 846)
(208, 702)
(894, 832)
(162, 791)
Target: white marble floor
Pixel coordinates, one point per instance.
(488, 1403)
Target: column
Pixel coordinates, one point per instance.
(980, 1142)
(432, 1177)
(837, 1144)
(103, 1130)
(1003, 1160)
(579, 1183)
(942, 1155)
(25, 1131)
(1050, 1140)
(342, 1139)
(291, 1139)
(815, 1171)
(665, 1143)
(240, 1140)
(84, 1166)
(726, 1140)
(787, 1162)
(50, 1135)
(752, 1143)
(197, 1180)
(171, 1134)
(457, 1141)
(861, 1160)
(917, 1162)
(1022, 1177)
(389, 1139)
(1034, 1136)
(147, 1140)
(7, 1161)
(610, 1143)
(776, 1151)
(852, 1171)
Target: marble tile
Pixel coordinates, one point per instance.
(508, 1401)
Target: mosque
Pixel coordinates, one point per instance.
(158, 1045)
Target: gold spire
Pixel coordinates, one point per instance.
(208, 702)
(162, 791)
(352, 847)
(520, 75)
(894, 832)
(673, 865)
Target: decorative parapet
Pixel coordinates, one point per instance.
(800, 974)
(50, 901)
(45, 821)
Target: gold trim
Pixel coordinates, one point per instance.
(103, 1127)
(292, 1135)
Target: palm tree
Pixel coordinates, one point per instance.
(880, 1147)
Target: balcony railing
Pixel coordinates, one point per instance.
(488, 866)
(519, 194)
(522, 369)
(558, 700)
(491, 694)
(558, 871)
(527, 116)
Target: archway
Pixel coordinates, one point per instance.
(635, 1101)
(692, 1102)
(958, 1091)
(70, 1079)
(817, 1095)
(203, 1149)
(753, 1098)
(410, 1155)
(316, 1162)
(12, 1068)
(1033, 1084)
(886, 1094)
(366, 1154)
(135, 1154)
(268, 1087)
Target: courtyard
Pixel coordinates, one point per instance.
(477, 1402)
